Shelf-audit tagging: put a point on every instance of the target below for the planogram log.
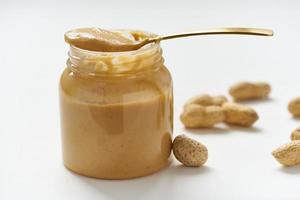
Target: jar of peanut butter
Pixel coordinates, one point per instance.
(116, 112)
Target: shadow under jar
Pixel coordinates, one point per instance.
(116, 112)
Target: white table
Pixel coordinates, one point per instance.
(240, 164)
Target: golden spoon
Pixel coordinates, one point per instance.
(96, 39)
(216, 31)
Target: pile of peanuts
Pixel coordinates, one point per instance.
(205, 111)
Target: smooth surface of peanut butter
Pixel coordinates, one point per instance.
(116, 113)
(97, 39)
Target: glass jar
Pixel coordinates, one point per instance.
(116, 112)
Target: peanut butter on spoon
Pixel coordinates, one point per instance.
(96, 39)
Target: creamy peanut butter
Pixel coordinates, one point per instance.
(116, 112)
(97, 39)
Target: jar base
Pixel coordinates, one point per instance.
(165, 165)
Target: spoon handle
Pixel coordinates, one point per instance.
(239, 31)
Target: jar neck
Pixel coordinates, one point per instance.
(95, 63)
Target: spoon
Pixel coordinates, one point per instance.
(96, 39)
(216, 31)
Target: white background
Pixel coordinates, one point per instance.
(240, 165)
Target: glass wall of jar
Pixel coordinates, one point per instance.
(116, 112)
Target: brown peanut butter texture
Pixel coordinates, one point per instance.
(97, 39)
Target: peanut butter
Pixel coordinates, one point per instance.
(116, 111)
(96, 39)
